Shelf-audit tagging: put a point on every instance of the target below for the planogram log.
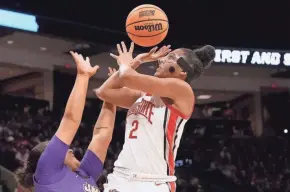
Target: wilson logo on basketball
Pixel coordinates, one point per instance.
(149, 28)
(147, 13)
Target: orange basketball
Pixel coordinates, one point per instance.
(147, 25)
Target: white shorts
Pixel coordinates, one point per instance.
(120, 184)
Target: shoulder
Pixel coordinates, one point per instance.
(184, 100)
(180, 88)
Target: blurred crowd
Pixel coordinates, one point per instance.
(213, 163)
(250, 163)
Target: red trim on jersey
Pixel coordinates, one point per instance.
(171, 126)
(176, 111)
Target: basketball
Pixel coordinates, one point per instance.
(147, 25)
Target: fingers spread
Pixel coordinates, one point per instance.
(81, 57)
(161, 49)
(131, 47)
(119, 49)
(153, 50)
(165, 52)
(124, 47)
(114, 56)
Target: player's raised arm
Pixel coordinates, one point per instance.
(113, 92)
(76, 102)
(48, 161)
(103, 129)
(93, 160)
(170, 78)
(130, 78)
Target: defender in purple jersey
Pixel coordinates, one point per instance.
(51, 166)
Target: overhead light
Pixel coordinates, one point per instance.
(236, 73)
(203, 97)
(43, 48)
(10, 42)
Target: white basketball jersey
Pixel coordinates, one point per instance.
(153, 133)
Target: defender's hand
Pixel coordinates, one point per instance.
(84, 66)
(111, 71)
(153, 54)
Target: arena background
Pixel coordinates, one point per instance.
(237, 138)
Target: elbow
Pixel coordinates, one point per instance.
(100, 93)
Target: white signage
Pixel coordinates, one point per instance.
(252, 57)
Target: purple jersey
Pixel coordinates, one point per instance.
(52, 175)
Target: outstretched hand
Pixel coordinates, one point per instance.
(153, 54)
(125, 56)
(83, 65)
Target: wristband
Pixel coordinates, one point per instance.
(123, 68)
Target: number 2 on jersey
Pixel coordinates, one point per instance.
(135, 125)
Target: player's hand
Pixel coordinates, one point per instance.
(125, 56)
(153, 54)
(83, 65)
(111, 71)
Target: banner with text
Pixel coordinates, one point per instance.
(252, 57)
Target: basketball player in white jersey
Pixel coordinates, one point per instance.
(159, 106)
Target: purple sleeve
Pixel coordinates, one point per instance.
(50, 166)
(91, 165)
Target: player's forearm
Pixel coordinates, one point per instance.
(74, 110)
(111, 85)
(113, 91)
(106, 119)
(126, 74)
(114, 81)
(76, 102)
(103, 131)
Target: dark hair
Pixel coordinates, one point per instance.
(25, 175)
(198, 60)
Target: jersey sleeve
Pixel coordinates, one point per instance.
(50, 166)
(91, 165)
